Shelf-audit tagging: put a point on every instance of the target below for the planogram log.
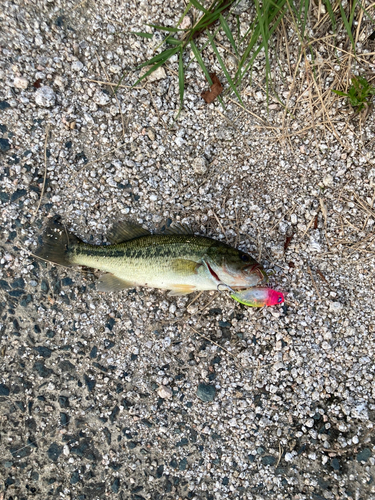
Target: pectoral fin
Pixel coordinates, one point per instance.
(110, 283)
(184, 267)
(178, 290)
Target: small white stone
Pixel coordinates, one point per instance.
(186, 23)
(158, 74)
(328, 180)
(101, 98)
(115, 68)
(59, 81)
(45, 97)
(283, 227)
(20, 83)
(151, 134)
(315, 246)
(294, 219)
(179, 141)
(335, 306)
(153, 197)
(164, 392)
(288, 457)
(77, 65)
(199, 165)
(277, 251)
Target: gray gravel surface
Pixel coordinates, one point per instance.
(136, 395)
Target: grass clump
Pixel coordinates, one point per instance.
(246, 48)
(293, 21)
(359, 93)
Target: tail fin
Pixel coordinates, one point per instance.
(55, 243)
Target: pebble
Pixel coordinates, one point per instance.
(158, 74)
(200, 165)
(206, 392)
(4, 145)
(164, 392)
(101, 98)
(364, 455)
(20, 82)
(328, 180)
(4, 105)
(335, 306)
(4, 390)
(45, 97)
(77, 65)
(54, 451)
(151, 134)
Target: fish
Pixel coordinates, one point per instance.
(176, 260)
(258, 297)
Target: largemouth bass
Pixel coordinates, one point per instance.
(176, 260)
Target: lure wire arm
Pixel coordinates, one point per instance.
(227, 287)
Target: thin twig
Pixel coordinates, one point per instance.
(114, 93)
(313, 282)
(221, 227)
(213, 342)
(45, 172)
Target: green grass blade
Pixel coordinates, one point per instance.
(305, 12)
(228, 32)
(199, 59)
(143, 35)
(366, 13)
(227, 75)
(352, 11)
(331, 14)
(209, 18)
(162, 56)
(151, 70)
(181, 79)
(347, 25)
(264, 29)
(198, 6)
(240, 74)
(173, 41)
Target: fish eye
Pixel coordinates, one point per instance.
(244, 258)
(280, 299)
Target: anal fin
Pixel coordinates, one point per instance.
(178, 290)
(111, 283)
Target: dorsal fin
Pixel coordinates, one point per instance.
(177, 228)
(124, 231)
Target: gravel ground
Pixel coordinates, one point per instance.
(136, 395)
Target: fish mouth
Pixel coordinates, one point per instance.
(257, 270)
